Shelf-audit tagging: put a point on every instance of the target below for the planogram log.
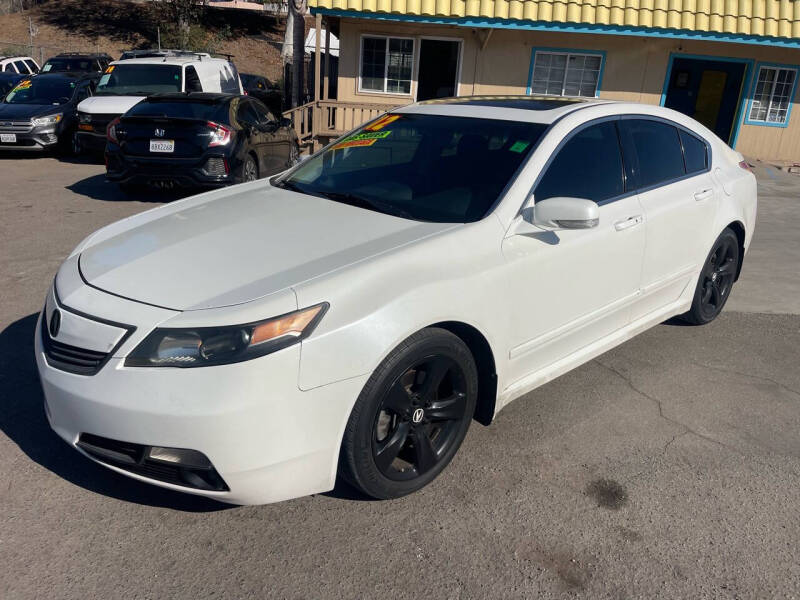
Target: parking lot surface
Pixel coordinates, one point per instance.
(667, 468)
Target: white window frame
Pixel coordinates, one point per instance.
(752, 106)
(568, 54)
(412, 86)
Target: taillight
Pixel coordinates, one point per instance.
(746, 166)
(220, 135)
(111, 131)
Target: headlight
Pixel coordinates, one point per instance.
(48, 120)
(206, 346)
(84, 117)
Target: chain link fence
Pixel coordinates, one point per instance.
(40, 53)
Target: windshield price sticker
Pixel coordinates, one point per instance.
(519, 146)
(362, 139)
(110, 69)
(382, 122)
(104, 80)
(23, 85)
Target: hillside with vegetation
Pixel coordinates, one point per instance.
(111, 26)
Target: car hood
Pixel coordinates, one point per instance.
(234, 246)
(27, 111)
(109, 105)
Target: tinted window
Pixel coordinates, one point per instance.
(32, 66)
(264, 115)
(9, 68)
(21, 66)
(212, 111)
(425, 167)
(139, 80)
(695, 153)
(658, 149)
(193, 83)
(39, 90)
(247, 113)
(588, 166)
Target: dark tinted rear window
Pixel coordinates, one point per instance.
(658, 149)
(588, 166)
(695, 153)
(217, 112)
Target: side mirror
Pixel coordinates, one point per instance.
(563, 213)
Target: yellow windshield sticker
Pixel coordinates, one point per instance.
(382, 122)
(354, 144)
(23, 85)
(110, 69)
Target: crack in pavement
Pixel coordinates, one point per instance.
(749, 376)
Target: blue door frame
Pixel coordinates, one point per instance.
(749, 65)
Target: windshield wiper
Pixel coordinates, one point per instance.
(362, 202)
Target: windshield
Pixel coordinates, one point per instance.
(41, 91)
(139, 80)
(424, 167)
(68, 64)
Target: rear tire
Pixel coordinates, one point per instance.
(249, 171)
(411, 416)
(716, 280)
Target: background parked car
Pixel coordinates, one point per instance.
(127, 82)
(261, 88)
(40, 112)
(80, 62)
(8, 81)
(198, 140)
(18, 64)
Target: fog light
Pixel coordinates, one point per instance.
(179, 456)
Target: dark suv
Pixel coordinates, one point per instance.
(76, 62)
(197, 140)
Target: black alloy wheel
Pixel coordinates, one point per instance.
(411, 417)
(716, 279)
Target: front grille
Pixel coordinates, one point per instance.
(69, 358)
(15, 126)
(134, 459)
(99, 122)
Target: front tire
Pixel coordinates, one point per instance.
(411, 416)
(716, 280)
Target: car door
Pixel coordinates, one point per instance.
(248, 120)
(679, 206)
(570, 288)
(276, 141)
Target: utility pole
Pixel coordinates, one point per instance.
(298, 10)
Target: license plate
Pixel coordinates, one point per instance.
(162, 145)
(8, 138)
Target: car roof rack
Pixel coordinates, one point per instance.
(160, 52)
(81, 54)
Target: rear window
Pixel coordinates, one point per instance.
(81, 65)
(217, 112)
(140, 80)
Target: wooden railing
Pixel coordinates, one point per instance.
(318, 122)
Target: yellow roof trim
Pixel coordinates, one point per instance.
(768, 18)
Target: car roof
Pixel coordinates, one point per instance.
(80, 55)
(169, 60)
(532, 109)
(206, 97)
(77, 75)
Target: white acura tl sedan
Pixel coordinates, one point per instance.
(352, 315)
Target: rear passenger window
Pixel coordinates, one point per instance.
(658, 148)
(588, 166)
(21, 67)
(695, 153)
(193, 83)
(32, 66)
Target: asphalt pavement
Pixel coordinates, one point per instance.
(667, 468)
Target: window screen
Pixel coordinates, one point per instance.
(566, 74)
(695, 153)
(588, 166)
(658, 149)
(773, 95)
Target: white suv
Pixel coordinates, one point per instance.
(24, 65)
(127, 82)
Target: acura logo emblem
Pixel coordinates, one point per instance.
(55, 323)
(159, 133)
(417, 416)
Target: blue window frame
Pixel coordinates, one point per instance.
(566, 72)
(772, 96)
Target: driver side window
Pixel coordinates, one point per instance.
(247, 114)
(588, 165)
(264, 115)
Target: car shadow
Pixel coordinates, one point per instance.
(23, 420)
(97, 188)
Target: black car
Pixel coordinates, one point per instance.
(40, 112)
(9, 81)
(197, 140)
(78, 62)
(261, 88)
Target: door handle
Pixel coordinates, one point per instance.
(628, 223)
(703, 194)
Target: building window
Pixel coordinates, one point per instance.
(566, 73)
(772, 96)
(386, 64)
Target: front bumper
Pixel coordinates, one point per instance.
(34, 140)
(267, 439)
(92, 141)
(164, 172)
